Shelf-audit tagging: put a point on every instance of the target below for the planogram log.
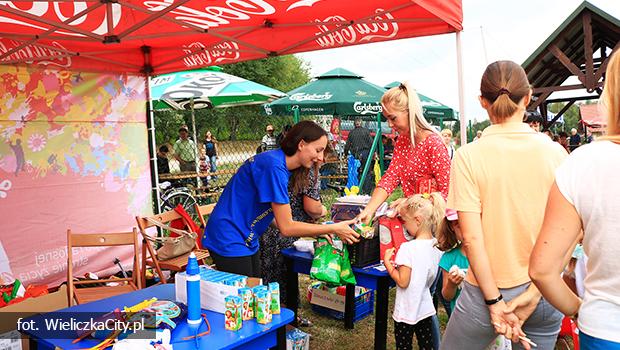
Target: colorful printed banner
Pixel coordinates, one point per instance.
(73, 154)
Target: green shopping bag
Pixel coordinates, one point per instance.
(331, 263)
(346, 274)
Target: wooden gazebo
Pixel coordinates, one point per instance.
(580, 47)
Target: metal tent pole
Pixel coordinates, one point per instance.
(459, 65)
(150, 126)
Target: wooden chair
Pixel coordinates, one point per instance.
(85, 295)
(175, 264)
(203, 210)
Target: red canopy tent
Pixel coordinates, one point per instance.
(152, 37)
(156, 37)
(592, 117)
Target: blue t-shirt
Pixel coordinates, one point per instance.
(243, 211)
(454, 257)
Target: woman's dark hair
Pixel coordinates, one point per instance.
(504, 84)
(305, 130)
(446, 237)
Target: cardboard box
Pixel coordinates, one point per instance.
(329, 300)
(212, 294)
(31, 306)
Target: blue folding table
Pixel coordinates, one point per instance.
(251, 336)
(368, 277)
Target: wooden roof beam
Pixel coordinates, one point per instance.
(567, 63)
(601, 70)
(588, 51)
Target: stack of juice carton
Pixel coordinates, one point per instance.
(260, 302)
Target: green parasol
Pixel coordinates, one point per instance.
(337, 92)
(209, 88)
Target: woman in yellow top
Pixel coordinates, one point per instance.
(499, 186)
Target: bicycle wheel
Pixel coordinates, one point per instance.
(185, 199)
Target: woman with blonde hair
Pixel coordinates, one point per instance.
(420, 163)
(499, 186)
(585, 197)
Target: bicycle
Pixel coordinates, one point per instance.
(172, 196)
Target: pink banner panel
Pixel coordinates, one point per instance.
(73, 154)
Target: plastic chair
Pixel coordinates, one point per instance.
(569, 330)
(85, 295)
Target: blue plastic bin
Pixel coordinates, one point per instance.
(364, 306)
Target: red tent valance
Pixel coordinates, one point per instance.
(154, 37)
(592, 116)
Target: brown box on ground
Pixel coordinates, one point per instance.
(31, 306)
(329, 300)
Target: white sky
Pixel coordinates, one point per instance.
(511, 30)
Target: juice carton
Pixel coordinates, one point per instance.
(232, 316)
(247, 298)
(263, 312)
(274, 288)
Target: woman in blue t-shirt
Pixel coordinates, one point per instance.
(257, 194)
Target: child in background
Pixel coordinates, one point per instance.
(449, 239)
(417, 262)
(454, 266)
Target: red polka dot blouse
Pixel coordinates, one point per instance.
(424, 168)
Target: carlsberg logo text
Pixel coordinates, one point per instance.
(310, 97)
(366, 108)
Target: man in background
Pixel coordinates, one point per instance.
(534, 120)
(269, 141)
(185, 150)
(358, 144)
(574, 140)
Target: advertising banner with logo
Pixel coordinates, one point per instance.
(73, 154)
(157, 37)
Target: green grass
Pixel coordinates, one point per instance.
(328, 333)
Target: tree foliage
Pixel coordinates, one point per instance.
(283, 73)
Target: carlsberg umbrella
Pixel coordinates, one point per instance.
(337, 92)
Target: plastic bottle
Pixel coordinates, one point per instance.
(193, 290)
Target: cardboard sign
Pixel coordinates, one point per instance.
(328, 300)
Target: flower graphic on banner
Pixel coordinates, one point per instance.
(36, 142)
(5, 186)
(55, 124)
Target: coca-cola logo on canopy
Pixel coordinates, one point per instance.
(302, 96)
(225, 51)
(357, 33)
(31, 53)
(96, 21)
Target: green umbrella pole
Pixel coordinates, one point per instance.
(369, 160)
(381, 151)
(296, 115)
